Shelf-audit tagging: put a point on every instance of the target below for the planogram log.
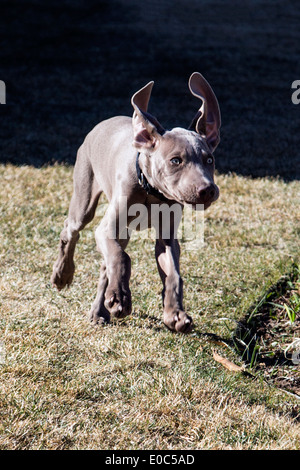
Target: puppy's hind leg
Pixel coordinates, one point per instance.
(81, 211)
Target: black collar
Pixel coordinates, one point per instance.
(145, 183)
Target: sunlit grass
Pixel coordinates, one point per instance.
(133, 384)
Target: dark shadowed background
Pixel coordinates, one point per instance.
(69, 64)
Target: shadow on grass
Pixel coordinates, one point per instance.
(265, 337)
(69, 65)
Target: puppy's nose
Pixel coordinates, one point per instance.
(207, 194)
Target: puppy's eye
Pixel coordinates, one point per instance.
(176, 160)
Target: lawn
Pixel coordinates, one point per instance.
(133, 384)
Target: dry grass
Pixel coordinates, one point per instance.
(133, 384)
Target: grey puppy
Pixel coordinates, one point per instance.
(135, 160)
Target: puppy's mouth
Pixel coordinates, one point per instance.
(193, 203)
(200, 207)
(197, 203)
(196, 206)
(189, 202)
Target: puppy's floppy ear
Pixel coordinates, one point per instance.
(207, 121)
(146, 129)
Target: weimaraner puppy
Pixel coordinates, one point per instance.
(136, 161)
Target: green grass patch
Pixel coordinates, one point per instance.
(269, 335)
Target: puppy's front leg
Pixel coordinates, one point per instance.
(113, 291)
(167, 254)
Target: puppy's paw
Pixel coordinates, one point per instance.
(118, 302)
(178, 321)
